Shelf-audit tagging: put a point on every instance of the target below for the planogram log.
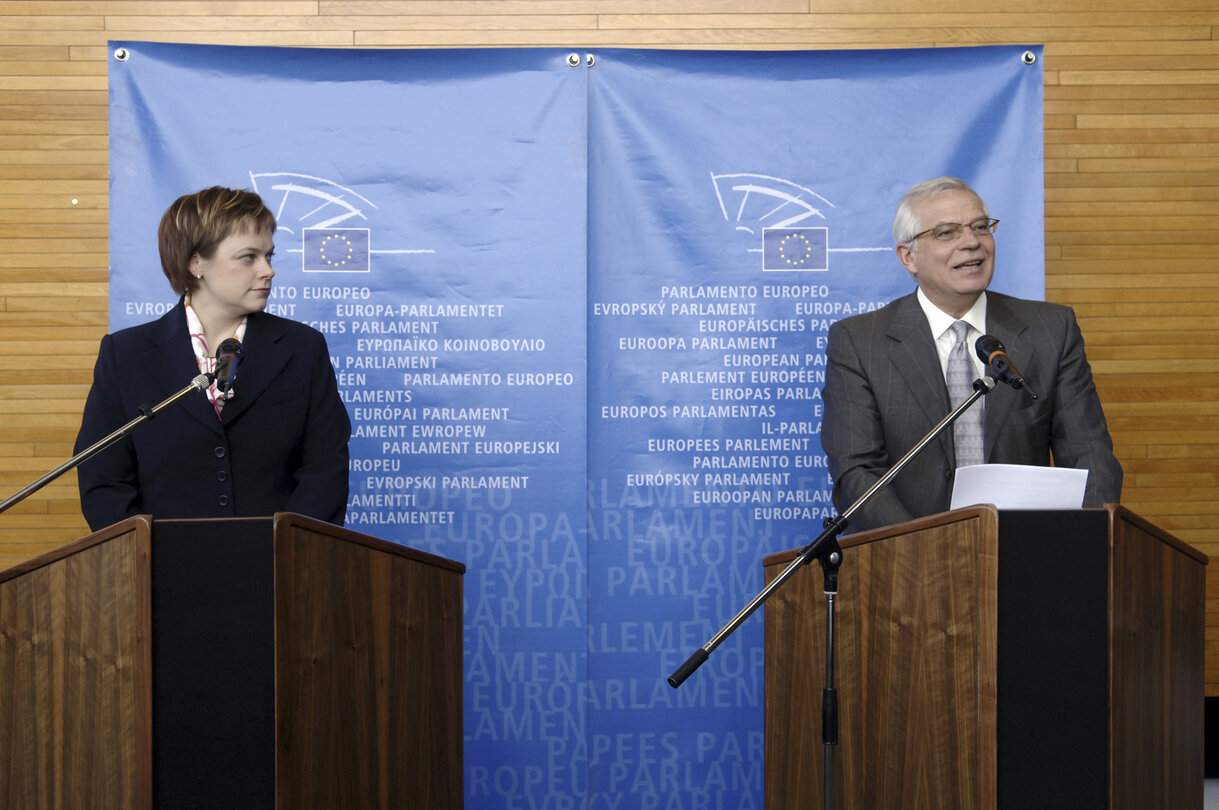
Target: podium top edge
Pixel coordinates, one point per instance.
(140, 525)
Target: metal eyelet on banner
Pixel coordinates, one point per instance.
(122, 54)
(573, 59)
(1028, 57)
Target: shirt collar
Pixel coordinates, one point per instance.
(941, 321)
(203, 353)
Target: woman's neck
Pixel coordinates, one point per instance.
(217, 325)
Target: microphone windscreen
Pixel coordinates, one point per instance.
(986, 346)
(229, 346)
(227, 355)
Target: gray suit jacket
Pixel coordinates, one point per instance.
(885, 390)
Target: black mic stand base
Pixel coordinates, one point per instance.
(830, 557)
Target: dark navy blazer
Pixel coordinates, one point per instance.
(280, 444)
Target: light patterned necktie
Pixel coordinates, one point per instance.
(967, 430)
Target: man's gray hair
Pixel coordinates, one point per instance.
(906, 223)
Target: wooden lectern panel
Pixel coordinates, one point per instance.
(1156, 684)
(64, 690)
(369, 677)
(929, 706)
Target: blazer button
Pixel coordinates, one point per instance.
(222, 475)
(224, 500)
(219, 451)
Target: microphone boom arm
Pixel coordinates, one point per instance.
(199, 383)
(827, 552)
(830, 534)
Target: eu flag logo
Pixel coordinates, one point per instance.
(336, 250)
(795, 249)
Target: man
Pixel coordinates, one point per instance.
(888, 371)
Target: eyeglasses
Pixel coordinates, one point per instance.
(951, 231)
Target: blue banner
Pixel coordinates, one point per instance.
(577, 305)
(739, 203)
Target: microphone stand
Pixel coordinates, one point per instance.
(826, 550)
(199, 383)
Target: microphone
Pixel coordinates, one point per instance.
(992, 352)
(227, 358)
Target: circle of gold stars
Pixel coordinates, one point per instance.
(341, 241)
(804, 243)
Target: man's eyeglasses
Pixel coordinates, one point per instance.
(951, 231)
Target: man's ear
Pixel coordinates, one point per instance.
(906, 256)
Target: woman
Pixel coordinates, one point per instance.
(276, 441)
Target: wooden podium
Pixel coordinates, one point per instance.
(986, 659)
(249, 662)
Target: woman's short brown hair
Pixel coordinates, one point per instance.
(197, 223)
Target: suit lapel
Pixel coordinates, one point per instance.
(264, 355)
(171, 363)
(913, 355)
(1002, 323)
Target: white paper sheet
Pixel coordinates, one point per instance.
(1019, 486)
